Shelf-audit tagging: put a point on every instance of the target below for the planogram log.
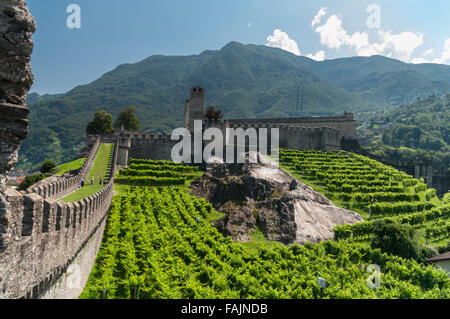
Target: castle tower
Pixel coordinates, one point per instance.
(194, 108)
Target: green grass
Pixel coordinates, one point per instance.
(98, 170)
(120, 188)
(186, 187)
(63, 168)
(257, 239)
(214, 215)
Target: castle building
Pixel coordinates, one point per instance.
(315, 133)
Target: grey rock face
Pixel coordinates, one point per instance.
(263, 195)
(16, 28)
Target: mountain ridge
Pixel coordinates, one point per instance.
(244, 81)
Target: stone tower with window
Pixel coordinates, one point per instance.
(194, 108)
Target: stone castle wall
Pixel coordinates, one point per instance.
(345, 124)
(152, 146)
(43, 237)
(142, 145)
(66, 186)
(138, 145)
(71, 283)
(294, 137)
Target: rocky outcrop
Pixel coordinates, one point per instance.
(16, 27)
(263, 195)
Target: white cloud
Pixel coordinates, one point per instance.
(362, 45)
(443, 59)
(281, 40)
(319, 56)
(322, 12)
(420, 60)
(332, 34)
(428, 52)
(401, 45)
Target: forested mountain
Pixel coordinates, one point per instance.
(385, 81)
(244, 81)
(423, 125)
(33, 98)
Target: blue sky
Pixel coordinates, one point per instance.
(114, 32)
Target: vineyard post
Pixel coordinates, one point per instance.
(104, 293)
(370, 209)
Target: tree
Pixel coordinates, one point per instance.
(128, 119)
(395, 238)
(101, 124)
(47, 166)
(213, 114)
(30, 180)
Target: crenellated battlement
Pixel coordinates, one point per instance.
(298, 137)
(346, 124)
(60, 188)
(42, 236)
(292, 120)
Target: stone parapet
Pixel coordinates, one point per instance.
(43, 236)
(60, 188)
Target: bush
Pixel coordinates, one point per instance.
(420, 188)
(128, 119)
(427, 252)
(30, 181)
(47, 166)
(101, 124)
(347, 189)
(394, 238)
(399, 208)
(446, 198)
(431, 193)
